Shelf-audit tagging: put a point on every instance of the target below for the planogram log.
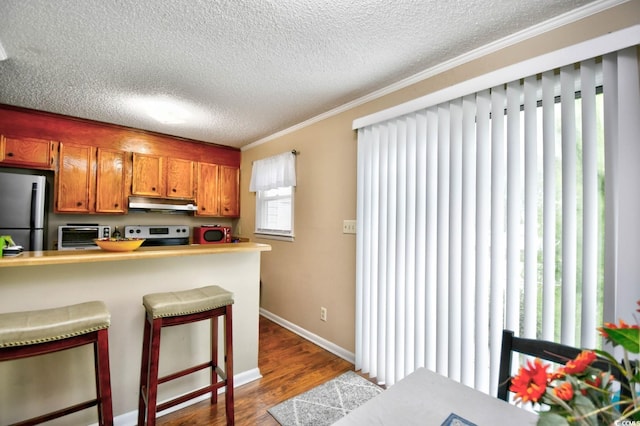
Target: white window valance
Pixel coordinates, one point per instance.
(273, 172)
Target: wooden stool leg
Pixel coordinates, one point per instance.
(214, 357)
(103, 378)
(219, 376)
(144, 372)
(154, 361)
(228, 367)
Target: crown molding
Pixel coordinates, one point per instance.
(528, 33)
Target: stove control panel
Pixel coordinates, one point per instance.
(159, 232)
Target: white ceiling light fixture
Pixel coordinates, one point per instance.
(162, 109)
(3, 53)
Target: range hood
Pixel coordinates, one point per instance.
(161, 205)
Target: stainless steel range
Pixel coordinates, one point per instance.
(159, 235)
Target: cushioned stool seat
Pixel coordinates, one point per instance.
(186, 302)
(182, 307)
(31, 333)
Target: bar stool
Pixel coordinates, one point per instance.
(183, 307)
(32, 333)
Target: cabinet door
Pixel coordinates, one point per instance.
(75, 179)
(27, 152)
(148, 175)
(229, 191)
(110, 181)
(208, 190)
(179, 178)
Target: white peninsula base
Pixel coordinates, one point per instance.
(33, 386)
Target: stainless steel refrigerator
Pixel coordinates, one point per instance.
(22, 209)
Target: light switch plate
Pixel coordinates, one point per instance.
(349, 227)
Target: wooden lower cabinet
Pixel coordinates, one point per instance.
(90, 180)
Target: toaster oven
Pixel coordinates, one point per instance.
(80, 236)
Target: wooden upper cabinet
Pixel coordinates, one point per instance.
(92, 159)
(180, 178)
(75, 179)
(91, 180)
(110, 181)
(27, 152)
(229, 191)
(148, 175)
(208, 196)
(218, 190)
(157, 176)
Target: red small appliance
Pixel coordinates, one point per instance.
(211, 234)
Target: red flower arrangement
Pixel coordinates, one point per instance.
(579, 394)
(531, 382)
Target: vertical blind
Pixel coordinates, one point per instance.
(472, 213)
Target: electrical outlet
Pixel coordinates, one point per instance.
(323, 313)
(349, 227)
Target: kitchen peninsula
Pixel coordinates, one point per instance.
(44, 279)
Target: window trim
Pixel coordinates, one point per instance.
(275, 235)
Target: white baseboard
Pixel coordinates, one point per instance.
(313, 338)
(131, 418)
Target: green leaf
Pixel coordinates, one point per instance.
(551, 419)
(584, 407)
(628, 338)
(607, 355)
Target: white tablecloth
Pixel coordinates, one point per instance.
(427, 398)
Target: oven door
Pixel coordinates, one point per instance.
(166, 242)
(213, 235)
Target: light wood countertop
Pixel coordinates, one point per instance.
(55, 257)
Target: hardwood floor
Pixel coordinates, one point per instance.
(289, 366)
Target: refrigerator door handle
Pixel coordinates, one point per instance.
(32, 214)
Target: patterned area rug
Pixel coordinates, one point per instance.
(327, 403)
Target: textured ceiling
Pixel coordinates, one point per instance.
(242, 69)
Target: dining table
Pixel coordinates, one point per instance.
(427, 398)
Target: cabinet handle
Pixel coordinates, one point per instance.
(153, 188)
(9, 154)
(116, 205)
(173, 190)
(79, 203)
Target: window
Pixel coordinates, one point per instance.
(274, 212)
(273, 180)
